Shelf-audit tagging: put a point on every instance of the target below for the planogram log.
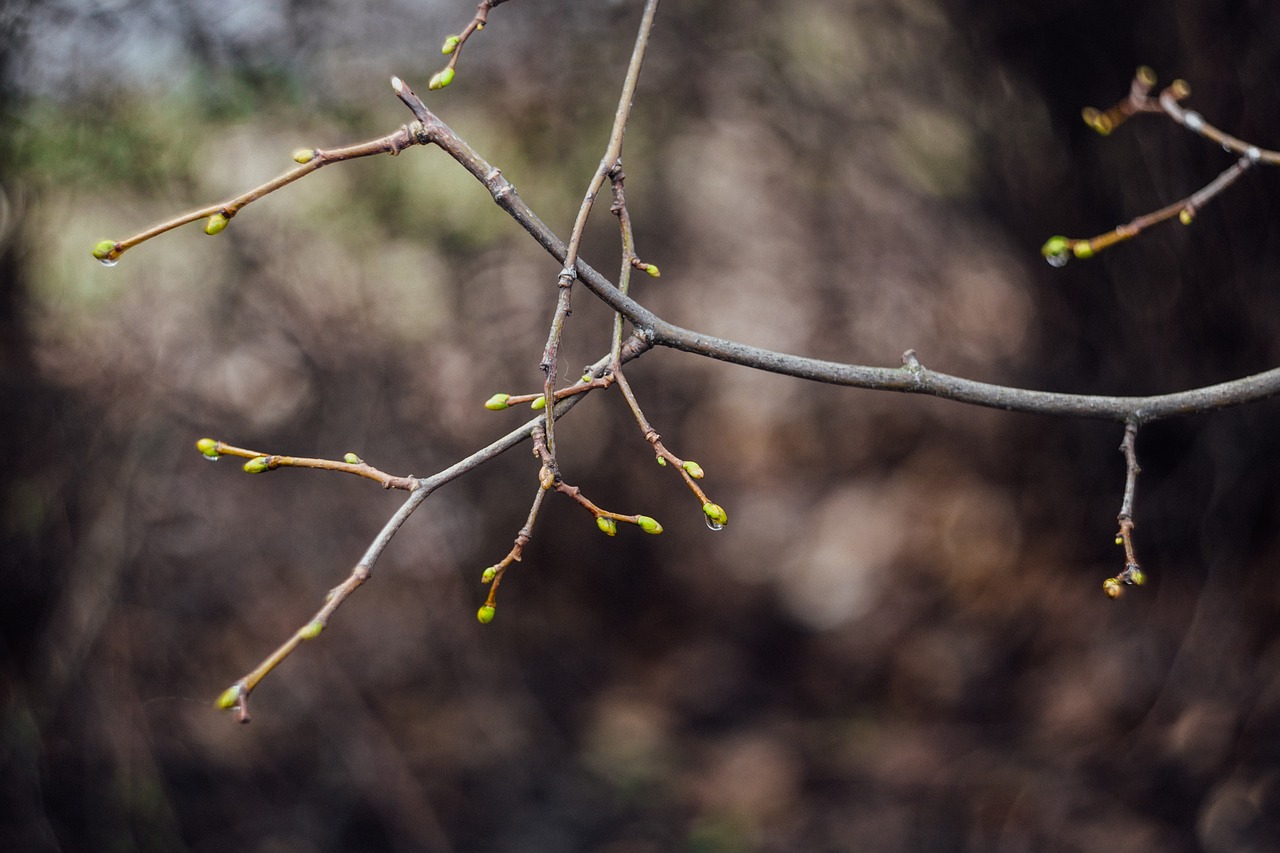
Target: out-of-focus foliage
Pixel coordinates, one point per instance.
(898, 643)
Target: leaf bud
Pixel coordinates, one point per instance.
(450, 45)
(648, 525)
(105, 250)
(662, 460)
(652, 269)
(1099, 121)
(607, 525)
(304, 155)
(1082, 249)
(441, 79)
(216, 224)
(1055, 246)
(716, 513)
(1112, 588)
(230, 697)
(352, 459)
(256, 465)
(208, 447)
(312, 630)
(1136, 576)
(1186, 216)
(497, 402)
(694, 470)
(540, 403)
(485, 614)
(489, 574)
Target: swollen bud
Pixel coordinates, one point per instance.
(497, 402)
(441, 79)
(450, 45)
(1112, 588)
(352, 459)
(485, 614)
(1099, 121)
(105, 250)
(607, 525)
(648, 525)
(694, 470)
(652, 269)
(1186, 216)
(1136, 576)
(1055, 246)
(229, 698)
(256, 465)
(662, 460)
(304, 155)
(208, 447)
(216, 224)
(715, 513)
(312, 630)
(1082, 249)
(540, 403)
(489, 574)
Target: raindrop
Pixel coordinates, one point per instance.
(1058, 260)
(109, 262)
(712, 524)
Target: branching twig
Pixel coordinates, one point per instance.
(1059, 249)
(610, 161)
(1132, 574)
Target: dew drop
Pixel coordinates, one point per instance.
(1058, 260)
(714, 525)
(210, 458)
(108, 262)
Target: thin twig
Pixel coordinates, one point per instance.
(610, 160)
(1132, 573)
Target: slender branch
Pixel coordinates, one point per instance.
(1059, 249)
(261, 462)
(610, 161)
(1132, 574)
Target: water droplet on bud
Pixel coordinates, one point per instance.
(712, 524)
(1058, 260)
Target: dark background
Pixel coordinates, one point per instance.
(899, 643)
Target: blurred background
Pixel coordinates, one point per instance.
(899, 643)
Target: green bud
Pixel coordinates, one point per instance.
(1099, 121)
(105, 250)
(540, 403)
(1112, 588)
(662, 461)
(652, 269)
(352, 459)
(450, 45)
(256, 465)
(441, 79)
(304, 155)
(716, 513)
(229, 698)
(607, 525)
(489, 574)
(485, 614)
(586, 377)
(312, 630)
(497, 402)
(1186, 216)
(208, 447)
(694, 470)
(1136, 576)
(1055, 246)
(216, 224)
(648, 525)
(1082, 249)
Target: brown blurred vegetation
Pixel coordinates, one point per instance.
(898, 644)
